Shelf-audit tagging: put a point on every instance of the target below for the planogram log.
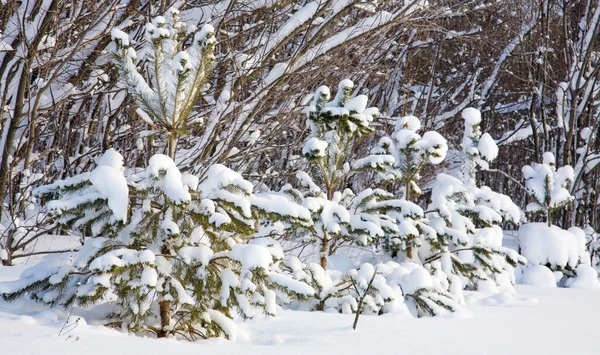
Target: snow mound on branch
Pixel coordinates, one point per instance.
(487, 147)
(357, 104)
(435, 145)
(252, 256)
(111, 158)
(315, 148)
(472, 116)
(172, 181)
(417, 279)
(541, 245)
(410, 123)
(538, 275)
(118, 35)
(111, 184)
(201, 254)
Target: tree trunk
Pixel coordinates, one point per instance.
(325, 251)
(165, 319)
(172, 142)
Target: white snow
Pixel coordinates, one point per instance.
(541, 244)
(357, 104)
(315, 147)
(410, 123)
(538, 275)
(587, 277)
(525, 323)
(118, 35)
(487, 147)
(149, 277)
(201, 254)
(172, 181)
(111, 158)
(111, 183)
(251, 256)
(472, 116)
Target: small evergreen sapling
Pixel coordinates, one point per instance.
(169, 250)
(459, 239)
(412, 153)
(479, 150)
(339, 214)
(362, 218)
(547, 186)
(467, 218)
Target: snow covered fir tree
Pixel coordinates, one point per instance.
(342, 216)
(556, 256)
(171, 252)
(178, 171)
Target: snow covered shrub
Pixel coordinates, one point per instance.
(459, 238)
(466, 221)
(365, 217)
(169, 252)
(561, 251)
(399, 288)
(479, 150)
(412, 153)
(547, 186)
(175, 75)
(338, 213)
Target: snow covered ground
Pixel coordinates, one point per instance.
(533, 321)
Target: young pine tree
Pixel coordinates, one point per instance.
(458, 238)
(467, 218)
(479, 150)
(168, 251)
(412, 153)
(338, 213)
(547, 186)
(363, 217)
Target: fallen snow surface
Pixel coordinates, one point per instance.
(535, 320)
(530, 322)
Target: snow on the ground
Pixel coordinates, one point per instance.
(533, 321)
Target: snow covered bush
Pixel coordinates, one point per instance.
(565, 252)
(175, 75)
(547, 186)
(339, 214)
(466, 220)
(553, 246)
(479, 150)
(459, 238)
(561, 251)
(167, 251)
(400, 288)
